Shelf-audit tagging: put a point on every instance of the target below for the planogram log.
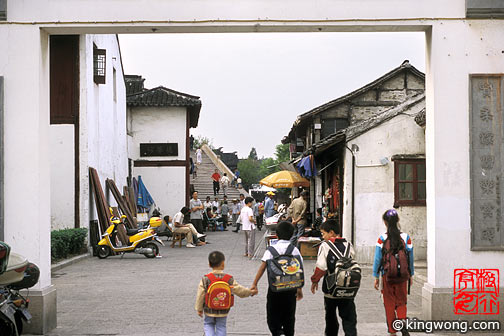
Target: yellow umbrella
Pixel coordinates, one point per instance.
(285, 179)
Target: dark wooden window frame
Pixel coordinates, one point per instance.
(99, 65)
(64, 79)
(159, 149)
(3, 10)
(415, 201)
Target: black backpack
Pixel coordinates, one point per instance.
(344, 282)
(285, 271)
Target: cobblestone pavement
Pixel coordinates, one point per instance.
(140, 296)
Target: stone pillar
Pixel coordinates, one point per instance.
(448, 137)
(25, 66)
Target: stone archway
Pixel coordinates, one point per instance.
(456, 48)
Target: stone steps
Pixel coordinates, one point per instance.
(203, 182)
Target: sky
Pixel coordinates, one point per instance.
(254, 85)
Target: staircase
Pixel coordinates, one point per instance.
(203, 182)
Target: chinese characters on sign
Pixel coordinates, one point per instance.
(476, 291)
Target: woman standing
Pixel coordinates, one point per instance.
(199, 159)
(394, 261)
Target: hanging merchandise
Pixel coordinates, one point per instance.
(307, 167)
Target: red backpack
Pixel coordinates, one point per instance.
(219, 295)
(395, 265)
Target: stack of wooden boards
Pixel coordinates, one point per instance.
(126, 206)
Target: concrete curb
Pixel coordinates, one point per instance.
(68, 262)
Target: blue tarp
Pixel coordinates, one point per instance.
(144, 199)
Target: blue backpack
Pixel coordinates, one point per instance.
(285, 271)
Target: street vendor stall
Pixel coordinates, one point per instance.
(281, 179)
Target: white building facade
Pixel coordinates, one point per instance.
(158, 136)
(462, 41)
(396, 140)
(96, 135)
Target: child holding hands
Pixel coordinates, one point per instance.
(215, 295)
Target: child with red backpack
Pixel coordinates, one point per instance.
(394, 261)
(216, 295)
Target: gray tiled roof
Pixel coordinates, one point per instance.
(353, 131)
(138, 96)
(161, 97)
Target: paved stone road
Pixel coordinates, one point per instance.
(140, 296)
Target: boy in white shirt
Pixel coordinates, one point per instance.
(248, 226)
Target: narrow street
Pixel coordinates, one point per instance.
(139, 296)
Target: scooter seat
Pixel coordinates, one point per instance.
(131, 232)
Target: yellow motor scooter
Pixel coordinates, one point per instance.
(141, 241)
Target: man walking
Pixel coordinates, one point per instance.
(236, 176)
(196, 217)
(269, 205)
(248, 224)
(239, 208)
(257, 214)
(297, 211)
(225, 183)
(216, 181)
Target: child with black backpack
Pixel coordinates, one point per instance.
(394, 261)
(286, 279)
(341, 282)
(216, 296)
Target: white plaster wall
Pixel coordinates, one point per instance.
(159, 10)
(103, 123)
(24, 63)
(62, 176)
(166, 186)
(158, 125)
(374, 189)
(456, 50)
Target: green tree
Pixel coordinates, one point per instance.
(253, 154)
(268, 166)
(200, 140)
(253, 170)
(249, 172)
(282, 153)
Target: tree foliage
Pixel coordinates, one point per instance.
(252, 170)
(253, 154)
(201, 140)
(249, 172)
(282, 153)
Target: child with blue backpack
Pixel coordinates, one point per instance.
(286, 279)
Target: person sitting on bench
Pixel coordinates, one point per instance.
(188, 229)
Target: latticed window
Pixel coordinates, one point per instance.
(409, 180)
(99, 64)
(3, 10)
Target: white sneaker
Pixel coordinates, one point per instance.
(190, 245)
(200, 235)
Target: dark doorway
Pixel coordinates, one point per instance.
(64, 96)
